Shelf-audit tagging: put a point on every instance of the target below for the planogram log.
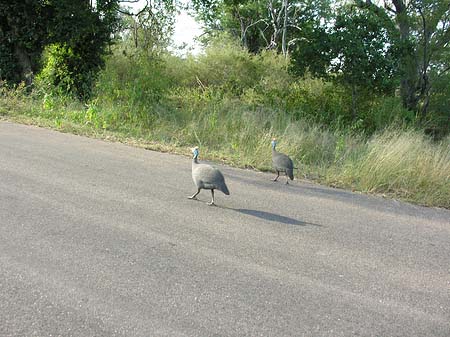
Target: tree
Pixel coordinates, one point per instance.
(245, 20)
(423, 27)
(261, 24)
(312, 51)
(152, 26)
(23, 35)
(79, 32)
(80, 35)
(364, 54)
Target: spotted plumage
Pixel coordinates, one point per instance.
(207, 177)
(282, 163)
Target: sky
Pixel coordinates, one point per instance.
(186, 28)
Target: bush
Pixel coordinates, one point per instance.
(133, 86)
(65, 73)
(319, 101)
(385, 111)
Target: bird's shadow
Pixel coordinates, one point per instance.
(274, 217)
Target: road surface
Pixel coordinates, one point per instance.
(100, 239)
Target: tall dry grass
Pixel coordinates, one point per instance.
(405, 164)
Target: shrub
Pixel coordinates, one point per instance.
(318, 100)
(65, 72)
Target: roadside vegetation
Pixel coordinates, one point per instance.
(231, 101)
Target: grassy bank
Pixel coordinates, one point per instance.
(397, 163)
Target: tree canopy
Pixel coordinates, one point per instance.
(388, 47)
(78, 31)
(361, 41)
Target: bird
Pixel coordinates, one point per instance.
(282, 163)
(207, 177)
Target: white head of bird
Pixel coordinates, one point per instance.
(195, 152)
(274, 143)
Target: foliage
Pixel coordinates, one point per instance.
(264, 24)
(74, 31)
(310, 38)
(313, 52)
(134, 85)
(370, 47)
(150, 29)
(423, 29)
(77, 60)
(365, 59)
(57, 73)
(437, 122)
(363, 49)
(23, 26)
(146, 85)
(64, 72)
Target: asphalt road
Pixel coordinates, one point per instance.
(100, 239)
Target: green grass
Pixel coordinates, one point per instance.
(396, 163)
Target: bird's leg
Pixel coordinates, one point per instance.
(287, 179)
(194, 196)
(212, 200)
(278, 174)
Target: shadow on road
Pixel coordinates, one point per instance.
(274, 217)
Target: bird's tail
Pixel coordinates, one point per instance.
(290, 174)
(224, 189)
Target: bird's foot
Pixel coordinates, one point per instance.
(211, 203)
(193, 198)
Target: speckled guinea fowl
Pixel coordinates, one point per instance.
(282, 163)
(207, 177)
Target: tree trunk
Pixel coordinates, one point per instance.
(283, 38)
(354, 114)
(408, 60)
(135, 33)
(275, 17)
(26, 69)
(424, 80)
(409, 67)
(243, 30)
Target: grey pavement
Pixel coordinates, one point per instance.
(100, 239)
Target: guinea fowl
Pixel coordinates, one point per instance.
(207, 177)
(282, 163)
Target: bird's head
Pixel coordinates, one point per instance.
(274, 143)
(195, 152)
